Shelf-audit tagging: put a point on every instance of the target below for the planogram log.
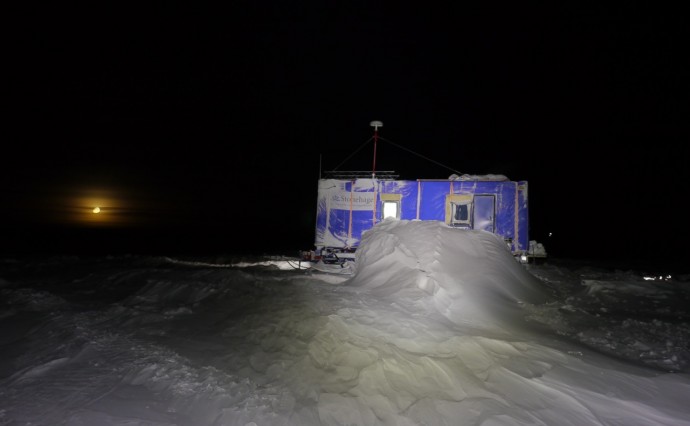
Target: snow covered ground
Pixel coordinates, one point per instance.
(438, 326)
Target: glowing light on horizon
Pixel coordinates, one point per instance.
(99, 207)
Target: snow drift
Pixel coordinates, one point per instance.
(436, 327)
(470, 276)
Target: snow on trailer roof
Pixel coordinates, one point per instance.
(486, 178)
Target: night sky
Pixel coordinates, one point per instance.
(203, 130)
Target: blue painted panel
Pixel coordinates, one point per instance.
(433, 200)
(338, 223)
(337, 226)
(320, 220)
(505, 213)
(361, 221)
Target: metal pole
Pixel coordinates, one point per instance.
(375, 125)
(373, 167)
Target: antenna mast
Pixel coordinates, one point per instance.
(375, 125)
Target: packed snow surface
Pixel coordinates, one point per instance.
(437, 326)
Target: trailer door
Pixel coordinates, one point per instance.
(484, 212)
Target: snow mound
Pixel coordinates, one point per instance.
(468, 276)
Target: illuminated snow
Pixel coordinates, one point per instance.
(437, 326)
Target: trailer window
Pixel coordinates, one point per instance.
(390, 205)
(391, 209)
(459, 210)
(460, 214)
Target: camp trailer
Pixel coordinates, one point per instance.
(350, 203)
(346, 208)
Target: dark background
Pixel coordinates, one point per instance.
(208, 126)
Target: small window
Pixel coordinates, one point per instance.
(459, 210)
(460, 214)
(391, 209)
(390, 205)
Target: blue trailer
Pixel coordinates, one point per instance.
(350, 203)
(347, 206)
